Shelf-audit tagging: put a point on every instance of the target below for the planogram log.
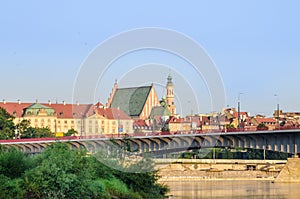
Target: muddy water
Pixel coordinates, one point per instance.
(233, 189)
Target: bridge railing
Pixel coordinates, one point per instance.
(142, 134)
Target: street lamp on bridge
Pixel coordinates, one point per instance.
(278, 116)
(239, 109)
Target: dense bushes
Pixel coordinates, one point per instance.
(60, 172)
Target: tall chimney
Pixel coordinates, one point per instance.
(4, 101)
(64, 102)
(49, 102)
(19, 101)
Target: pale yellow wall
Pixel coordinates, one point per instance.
(179, 126)
(84, 127)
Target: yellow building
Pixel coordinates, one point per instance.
(86, 119)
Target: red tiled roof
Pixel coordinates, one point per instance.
(265, 120)
(140, 123)
(99, 105)
(236, 114)
(12, 107)
(62, 110)
(175, 120)
(178, 120)
(113, 113)
(71, 110)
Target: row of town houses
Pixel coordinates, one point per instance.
(97, 119)
(138, 109)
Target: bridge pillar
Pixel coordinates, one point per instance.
(295, 153)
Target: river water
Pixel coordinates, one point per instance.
(233, 189)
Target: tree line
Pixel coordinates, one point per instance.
(60, 172)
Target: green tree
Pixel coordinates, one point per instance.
(10, 188)
(165, 128)
(7, 127)
(59, 172)
(62, 173)
(230, 126)
(71, 132)
(34, 132)
(22, 127)
(262, 126)
(44, 132)
(13, 162)
(30, 132)
(145, 182)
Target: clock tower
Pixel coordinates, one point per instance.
(170, 95)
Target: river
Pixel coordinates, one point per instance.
(233, 189)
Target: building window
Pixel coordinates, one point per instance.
(66, 122)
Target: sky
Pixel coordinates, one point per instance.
(254, 45)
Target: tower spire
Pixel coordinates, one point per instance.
(170, 95)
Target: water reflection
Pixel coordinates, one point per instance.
(233, 189)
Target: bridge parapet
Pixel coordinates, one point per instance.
(280, 140)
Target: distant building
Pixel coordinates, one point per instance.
(268, 122)
(137, 102)
(234, 118)
(179, 124)
(86, 119)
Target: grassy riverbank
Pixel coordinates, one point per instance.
(60, 172)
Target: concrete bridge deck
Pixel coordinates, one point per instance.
(280, 140)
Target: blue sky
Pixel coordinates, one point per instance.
(254, 44)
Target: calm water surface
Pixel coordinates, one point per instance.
(233, 189)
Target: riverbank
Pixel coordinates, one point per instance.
(197, 170)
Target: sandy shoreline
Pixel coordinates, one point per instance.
(193, 179)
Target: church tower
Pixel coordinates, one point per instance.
(170, 95)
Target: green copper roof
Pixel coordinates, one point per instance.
(37, 108)
(159, 111)
(169, 83)
(131, 100)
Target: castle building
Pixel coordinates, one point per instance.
(86, 119)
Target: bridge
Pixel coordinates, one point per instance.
(279, 140)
